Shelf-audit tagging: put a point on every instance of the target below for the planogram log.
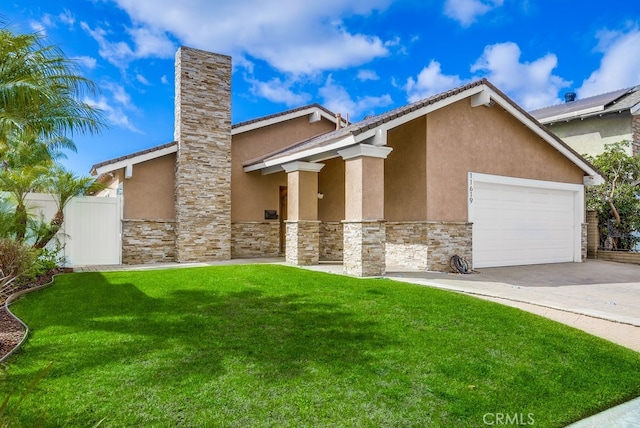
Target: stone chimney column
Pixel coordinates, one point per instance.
(203, 160)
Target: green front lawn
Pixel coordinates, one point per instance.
(267, 345)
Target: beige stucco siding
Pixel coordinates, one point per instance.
(149, 193)
(462, 139)
(405, 192)
(331, 185)
(252, 193)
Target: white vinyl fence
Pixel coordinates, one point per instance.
(91, 232)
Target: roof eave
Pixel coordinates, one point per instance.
(110, 167)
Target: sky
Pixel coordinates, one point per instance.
(357, 58)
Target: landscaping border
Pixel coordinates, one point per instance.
(8, 302)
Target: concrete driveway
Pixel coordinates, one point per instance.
(602, 298)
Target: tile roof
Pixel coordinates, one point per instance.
(131, 155)
(376, 121)
(371, 122)
(237, 125)
(283, 113)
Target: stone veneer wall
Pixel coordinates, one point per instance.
(303, 242)
(203, 160)
(255, 239)
(593, 235)
(364, 253)
(407, 244)
(447, 239)
(427, 245)
(331, 240)
(584, 241)
(148, 241)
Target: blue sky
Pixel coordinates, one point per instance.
(353, 57)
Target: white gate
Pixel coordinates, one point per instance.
(91, 232)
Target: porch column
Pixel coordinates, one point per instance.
(302, 245)
(364, 226)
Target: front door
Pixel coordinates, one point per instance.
(283, 218)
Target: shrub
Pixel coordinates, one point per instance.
(16, 262)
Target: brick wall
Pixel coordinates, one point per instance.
(619, 256)
(331, 240)
(148, 241)
(203, 160)
(255, 239)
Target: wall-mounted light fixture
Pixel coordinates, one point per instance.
(320, 195)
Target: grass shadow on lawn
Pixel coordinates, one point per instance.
(271, 345)
(280, 334)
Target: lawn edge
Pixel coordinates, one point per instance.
(15, 296)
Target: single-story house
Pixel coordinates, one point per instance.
(466, 172)
(589, 124)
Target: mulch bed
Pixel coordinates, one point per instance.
(11, 331)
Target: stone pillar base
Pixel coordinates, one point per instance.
(364, 248)
(302, 242)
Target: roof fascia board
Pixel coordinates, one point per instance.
(136, 159)
(347, 141)
(543, 134)
(371, 133)
(572, 115)
(312, 112)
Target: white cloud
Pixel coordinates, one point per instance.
(279, 92)
(38, 27)
(114, 114)
(140, 78)
(117, 53)
(147, 43)
(364, 75)
(164, 80)
(466, 12)
(86, 61)
(292, 36)
(115, 102)
(337, 99)
(150, 42)
(619, 66)
(66, 17)
(531, 84)
(430, 81)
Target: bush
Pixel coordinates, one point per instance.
(16, 263)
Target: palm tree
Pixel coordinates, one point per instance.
(18, 182)
(64, 185)
(41, 91)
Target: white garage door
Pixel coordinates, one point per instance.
(523, 222)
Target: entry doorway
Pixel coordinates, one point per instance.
(283, 218)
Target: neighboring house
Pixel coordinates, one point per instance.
(466, 172)
(588, 124)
